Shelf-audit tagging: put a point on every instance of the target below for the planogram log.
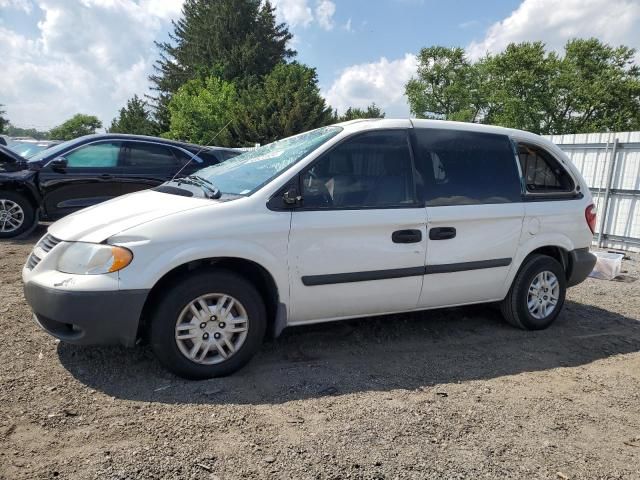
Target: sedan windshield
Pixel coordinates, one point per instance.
(246, 173)
(52, 151)
(28, 149)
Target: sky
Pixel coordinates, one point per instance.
(62, 57)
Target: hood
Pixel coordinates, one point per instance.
(11, 161)
(98, 223)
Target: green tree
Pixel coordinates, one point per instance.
(446, 86)
(200, 109)
(286, 102)
(76, 126)
(134, 118)
(352, 113)
(592, 87)
(3, 120)
(231, 39)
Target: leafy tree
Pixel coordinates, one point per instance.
(286, 102)
(3, 121)
(200, 109)
(446, 86)
(134, 118)
(231, 39)
(76, 126)
(352, 113)
(592, 87)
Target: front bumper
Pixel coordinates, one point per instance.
(87, 317)
(582, 262)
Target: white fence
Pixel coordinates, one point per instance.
(610, 164)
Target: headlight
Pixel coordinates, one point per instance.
(93, 259)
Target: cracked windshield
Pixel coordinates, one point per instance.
(245, 173)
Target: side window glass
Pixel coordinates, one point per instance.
(209, 158)
(96, 155)
(147, 155)
(542, 173)
(465, 168)
(371, 170)
(183, 158)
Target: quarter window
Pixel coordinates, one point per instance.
(465, 168)
(96, 155)
(542, 173)
(145, 155)
(372, 170)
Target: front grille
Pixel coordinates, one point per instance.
(32, 261)
(45, 245)
(48, 242)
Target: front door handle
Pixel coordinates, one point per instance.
(406, 236)
(442, 233)
(106, 176)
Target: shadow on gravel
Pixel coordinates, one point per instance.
(378, 354)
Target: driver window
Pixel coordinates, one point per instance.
(372, 170)
(96, 155)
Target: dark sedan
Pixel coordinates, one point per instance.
(91, 169)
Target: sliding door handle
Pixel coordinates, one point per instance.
(406, 236)
(442, 233)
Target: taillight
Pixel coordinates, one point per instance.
(590, 216)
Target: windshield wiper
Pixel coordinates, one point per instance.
(209, 188)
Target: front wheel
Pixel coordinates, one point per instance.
(17, 215)
(208, 325)
(536, 295)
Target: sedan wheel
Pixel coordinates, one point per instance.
(11, 216)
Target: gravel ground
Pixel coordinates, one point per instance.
(443, 394)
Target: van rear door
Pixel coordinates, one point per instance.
(471, 187)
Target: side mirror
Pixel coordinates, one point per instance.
(59, 164)
(291, 197)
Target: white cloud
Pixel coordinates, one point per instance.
(325, 10)
(556, 21)
(381, 82)
(294, 12)
(24, 5)
(88, 57)
(298, 13)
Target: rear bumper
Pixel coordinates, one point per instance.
(582, 262)
(87, 318)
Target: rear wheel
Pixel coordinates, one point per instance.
(17, 215)
(208, 325)
(536, 295)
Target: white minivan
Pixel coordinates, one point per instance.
(363, 218)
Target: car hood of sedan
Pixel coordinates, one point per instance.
(98, 223)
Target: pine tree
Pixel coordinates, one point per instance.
(285, 103)
(230, 39)
(134, 118)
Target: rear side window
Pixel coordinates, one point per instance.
(465, 168)
(147, 155)
(209, 158)
(542, 173)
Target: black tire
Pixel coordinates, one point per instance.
(179, 295)
(29, 217)
(514, 307)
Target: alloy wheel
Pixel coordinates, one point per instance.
(11, 216)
